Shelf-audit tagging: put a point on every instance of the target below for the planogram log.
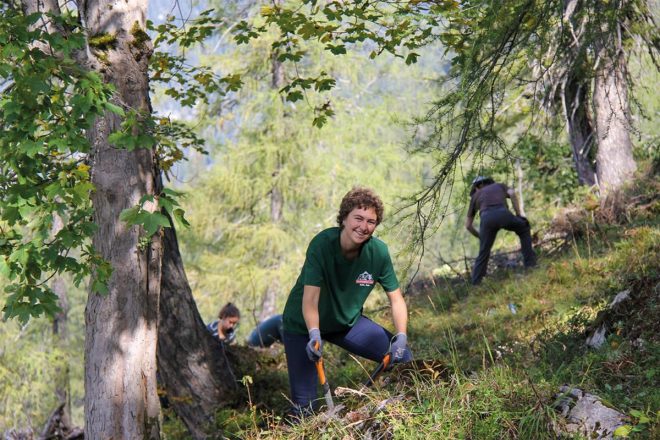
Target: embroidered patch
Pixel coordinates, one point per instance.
(365, 279)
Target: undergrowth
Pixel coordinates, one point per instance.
(491, 359)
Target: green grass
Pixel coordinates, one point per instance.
(504, 368)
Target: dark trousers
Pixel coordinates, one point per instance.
(266, 332)
(366, 339)
(492, 220)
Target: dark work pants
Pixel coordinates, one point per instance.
(492, 220)
(266, 332)
(366, 339)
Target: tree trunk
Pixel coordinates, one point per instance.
(45, 7)
(580, 129)
(193, 366)
(269, 301)
(575, 96)
(614, 161)
(61, 337)
(269, 298)
(122, 326)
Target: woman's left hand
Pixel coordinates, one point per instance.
(398, 347)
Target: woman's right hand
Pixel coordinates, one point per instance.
(315, 345)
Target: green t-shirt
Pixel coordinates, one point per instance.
(345, 284)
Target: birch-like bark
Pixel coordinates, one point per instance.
(615, 164)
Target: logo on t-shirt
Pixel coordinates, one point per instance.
(365, 279)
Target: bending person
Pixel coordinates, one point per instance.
(342, 266)
(489, 199)
(224, 328)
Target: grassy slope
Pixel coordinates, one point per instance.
(504, 368)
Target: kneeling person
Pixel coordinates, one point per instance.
(342, 266)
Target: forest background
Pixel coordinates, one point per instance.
(271, 179)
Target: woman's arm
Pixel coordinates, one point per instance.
(310, 306)
(514, 201)
(399, 311)
(469, 226)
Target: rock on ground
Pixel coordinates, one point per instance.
(585, 414)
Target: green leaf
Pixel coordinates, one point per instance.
(309, 30)
(153, 221)
(114, 109)
(636, 413)
(27, 211)
(31, 148)
(142, 217)
(167, 204)
(294, 96)
(119, 139)
(324, 84)
(319, 121)
(623, 431)
(180, 219)
(130, 215)
(336, 49)
(11, 215)
(412, 58)
(5, 271)
(172, 193)
(82, 190)
(99, 287)
(146, 198)
(21, 256)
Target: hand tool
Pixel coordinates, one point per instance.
(324, 382)
(379, 369)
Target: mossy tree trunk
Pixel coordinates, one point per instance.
(121, 332)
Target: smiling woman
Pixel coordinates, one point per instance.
(357, 228)
(342, 266)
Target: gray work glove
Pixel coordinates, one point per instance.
(313, 353)
(398, 348)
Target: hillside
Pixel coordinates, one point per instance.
(490, 361)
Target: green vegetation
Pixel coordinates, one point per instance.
(484, 372)
(102, 41)
(45, 111)
(276, 127)
(238, 249)
(140, 35)
(34, 362)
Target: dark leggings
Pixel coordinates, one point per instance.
(366, 339)
(492, 220)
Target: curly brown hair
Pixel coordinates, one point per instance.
(363, 198)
